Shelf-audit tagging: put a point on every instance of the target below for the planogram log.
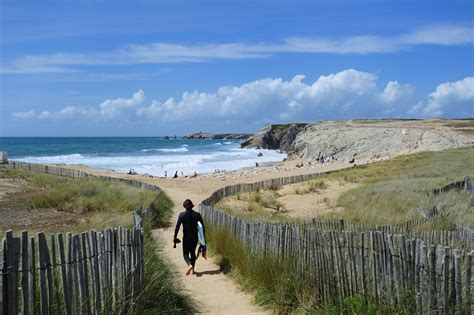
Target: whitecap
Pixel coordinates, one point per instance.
(166, 150)
(225, 158)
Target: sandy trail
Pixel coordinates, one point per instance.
(214, 292)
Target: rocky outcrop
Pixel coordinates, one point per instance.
(377, 139)
(366, 140)
(275, 137)
(203, 135)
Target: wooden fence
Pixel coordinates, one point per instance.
(393, 264)
(460, 237)
(389, 268)
(464, 184)
(67, 172)
(87, 273)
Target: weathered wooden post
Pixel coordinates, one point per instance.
(467, 184)
(3, 157)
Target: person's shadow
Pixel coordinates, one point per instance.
(209, 272)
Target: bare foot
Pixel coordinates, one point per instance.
(190, 270)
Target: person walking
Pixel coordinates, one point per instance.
(189, 219)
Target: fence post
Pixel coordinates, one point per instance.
(468, 267)
(457, 277)
(43, 250)
(64, 275)
(467, 184)
(25, 266)
(3, 277)
(13, 258)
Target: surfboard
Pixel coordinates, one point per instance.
(201, 234)
(202, 248)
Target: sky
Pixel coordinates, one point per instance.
(154, 68)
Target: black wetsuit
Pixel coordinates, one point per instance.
(189, 219)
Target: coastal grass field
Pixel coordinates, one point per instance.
(48, 203)
(81, 204)
(386, 192)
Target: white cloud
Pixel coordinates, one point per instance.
(69, 113)
(24, 115)
(110, 109)
(349, 93)
(454, 99)
(107, 110)
(394, 92)
(343, 95)
(159, 53)
(447, 35)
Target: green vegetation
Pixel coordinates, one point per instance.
(387, 192)
(281, 127)
(161, 293)
(81, 194)
(391, 191)
(258, 205)
(161, 210)
(275, 284)
(312, 186)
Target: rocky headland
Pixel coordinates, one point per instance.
(363, 139)
(275, 137)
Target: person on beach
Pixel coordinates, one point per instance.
(189, 219)
(175, 175)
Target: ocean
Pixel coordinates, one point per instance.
(145, 155)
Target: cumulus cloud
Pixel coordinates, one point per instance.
(159, 53)
(453, 99)
(24, 115)
(342, 95)
(110, 109)
(349, 93)
(107, 110)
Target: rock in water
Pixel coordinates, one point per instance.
(203, 135)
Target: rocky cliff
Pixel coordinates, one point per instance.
(203, 135)
(364, 139)
(275, 137)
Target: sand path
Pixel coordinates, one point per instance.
(214, 292)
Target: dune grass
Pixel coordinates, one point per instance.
(161, 293)
(275, 284)
(88, 202)
(81, 194)
(391, 191)
(387, 192)
(257, 205)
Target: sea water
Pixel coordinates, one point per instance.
(147, 155)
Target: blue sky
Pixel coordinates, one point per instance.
(131, 68)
